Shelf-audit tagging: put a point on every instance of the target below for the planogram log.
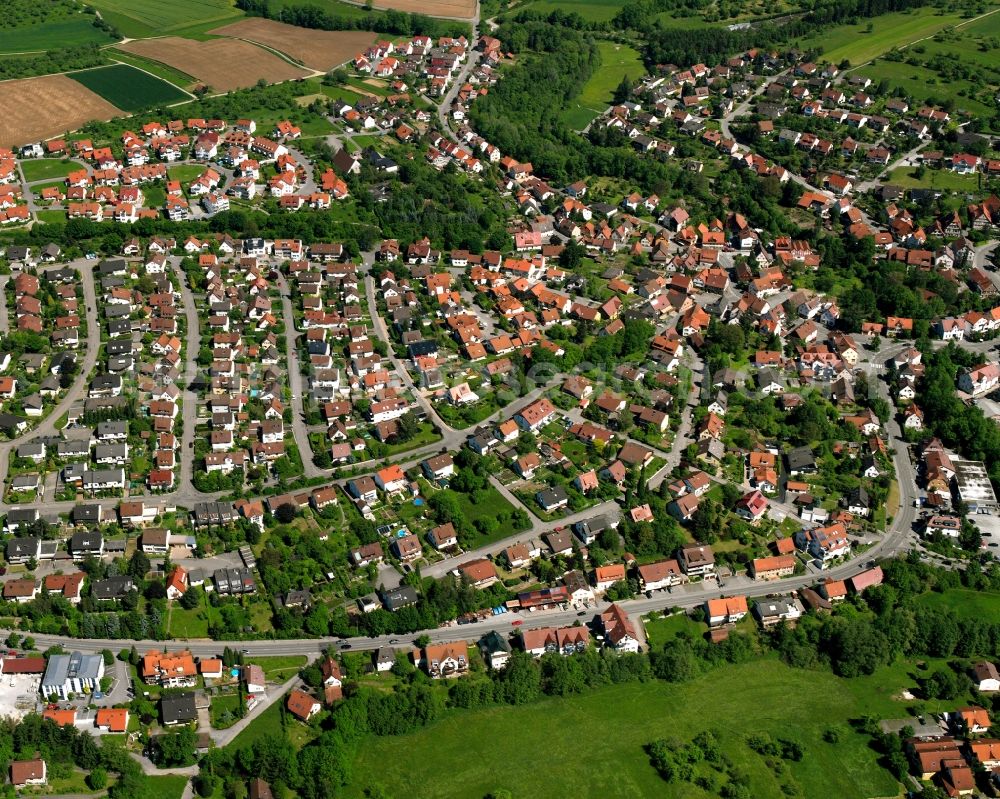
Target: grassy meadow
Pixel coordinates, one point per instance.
(859, 45)
(617, 62)
(538, 749)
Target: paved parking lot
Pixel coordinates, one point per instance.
(989, 528)
(225, 560)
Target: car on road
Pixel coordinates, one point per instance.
(582, 613)
(246, 651)
(518, 622)
(345, 645)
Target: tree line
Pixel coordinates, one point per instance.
(864, 633)
(398, 23)
(62, 59)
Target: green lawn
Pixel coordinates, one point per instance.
(225, 710)
(184, 172)
(858, 46)
(988, 26)
(139, 18)
(75, 783)
(966, 603)
(46, 168)
(488, 506)
(514, 747)
(617, 61)
(659, 631)
(156, 195)
(128, 88)
(76, 30)
(943, 179)
(280, 667)
(168, 786)
(340, 93)
(265, 725)
(51, 216)
(189, 623)
(880, 693)
(427, 434)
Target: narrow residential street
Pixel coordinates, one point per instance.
(78, 390)
(191, 377)
(404, 373)
(296, 382)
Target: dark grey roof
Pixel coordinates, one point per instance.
(178, 708)
(401, 597)
(112, 588)
(552, 496)
(494, 642)
(112, 266)
(88, 541)
(86, 513)
(801, 458)
(22, 548)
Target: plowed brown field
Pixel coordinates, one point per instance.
(223, 64)
(317, 49)
(459, 9)
(40, 108)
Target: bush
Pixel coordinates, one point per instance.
(205, 784)
(97, 780)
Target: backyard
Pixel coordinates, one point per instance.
(225, 710)
(192, 623)
(279, 667)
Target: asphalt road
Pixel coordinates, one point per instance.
(78, 390)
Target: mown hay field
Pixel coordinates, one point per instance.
(317, 49)
(41, 108)
(223, 64)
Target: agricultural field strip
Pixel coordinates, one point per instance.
(223, 64)
(39, 108)
(128, 87)
(834, 55)
(317, 50)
